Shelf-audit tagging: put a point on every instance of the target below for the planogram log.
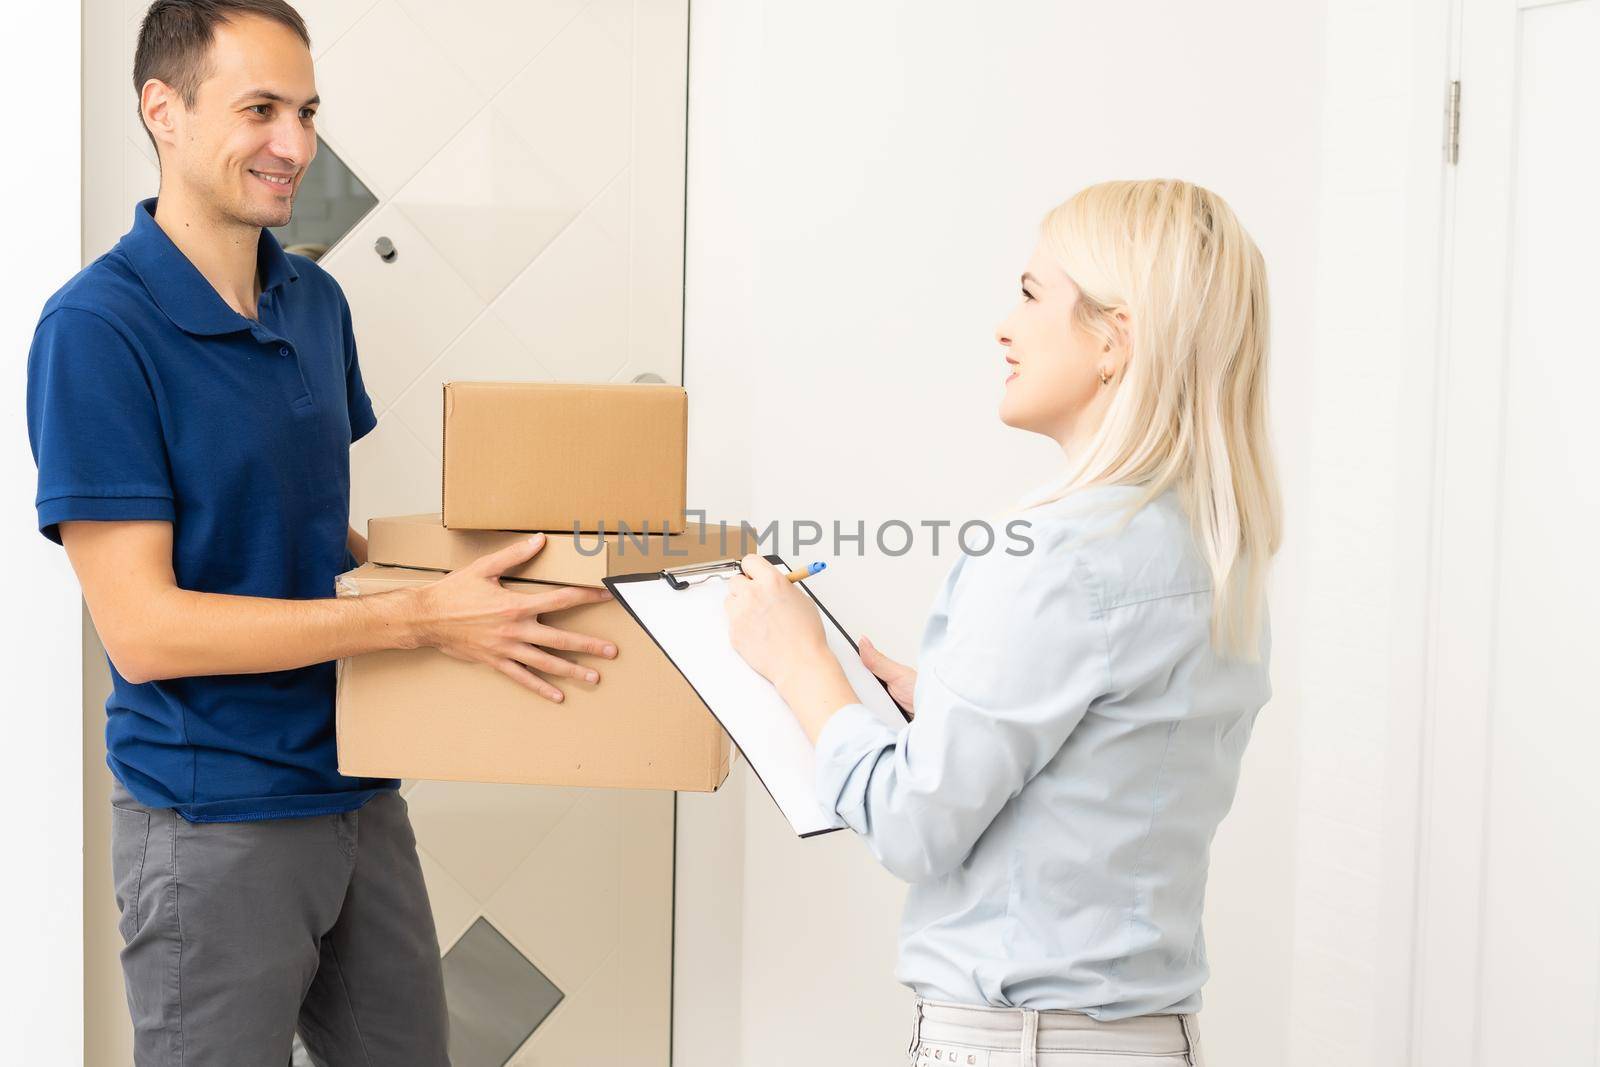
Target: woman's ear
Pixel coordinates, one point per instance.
(1122, 332)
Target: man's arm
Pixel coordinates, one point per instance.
(357, 545)
(154, 630)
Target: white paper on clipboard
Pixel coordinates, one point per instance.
(690, 626)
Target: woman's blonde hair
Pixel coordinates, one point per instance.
(1190, 407)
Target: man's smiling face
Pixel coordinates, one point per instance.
(243, 146)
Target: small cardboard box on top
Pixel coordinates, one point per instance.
(564, 457)
(418, 713)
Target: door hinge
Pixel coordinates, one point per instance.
(1452, 125)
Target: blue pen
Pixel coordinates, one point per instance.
(815, 568)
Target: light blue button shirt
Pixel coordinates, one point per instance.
(1076, 743)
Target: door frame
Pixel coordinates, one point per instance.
(44, 1009)
(1469, 438)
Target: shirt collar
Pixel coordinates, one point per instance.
(180, 290)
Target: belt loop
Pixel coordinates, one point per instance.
(916, 1028)
(1191, 1040)
(1030, 1038)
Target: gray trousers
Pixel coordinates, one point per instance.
(237, 934)
(969, 1035)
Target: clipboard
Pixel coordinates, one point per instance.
(680, 609)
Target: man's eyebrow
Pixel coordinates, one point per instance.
(1026, 278)
(268, 94)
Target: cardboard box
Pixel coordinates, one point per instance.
(418, 713)
(422, 541)
(564, 457)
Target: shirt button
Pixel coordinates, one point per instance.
(283, 351)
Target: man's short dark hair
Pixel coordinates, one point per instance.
(175, 39)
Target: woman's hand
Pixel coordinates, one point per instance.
(772, 623)
(901, 680)
(776, 627)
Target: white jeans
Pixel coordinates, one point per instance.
(967, 1036)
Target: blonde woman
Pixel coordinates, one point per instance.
(1081, 708)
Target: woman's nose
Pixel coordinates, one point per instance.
(1002, 329)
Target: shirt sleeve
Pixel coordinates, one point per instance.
(362, 418)
(94, 425)
(1025, 656)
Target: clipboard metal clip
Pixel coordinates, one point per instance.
(681, 578)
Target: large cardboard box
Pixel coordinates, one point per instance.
(418, 713)
(584, 559)
(564, 457)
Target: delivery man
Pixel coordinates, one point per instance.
(192, 398)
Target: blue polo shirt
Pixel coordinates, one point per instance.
(150, 398)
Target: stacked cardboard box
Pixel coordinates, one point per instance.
(538, 456)
(574, 461)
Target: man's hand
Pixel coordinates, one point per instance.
(153, 629)
(471, 616)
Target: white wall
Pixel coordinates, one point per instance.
(865, 182)
(41, 893)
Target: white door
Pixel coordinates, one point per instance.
(527, 162)
(1508, 967)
